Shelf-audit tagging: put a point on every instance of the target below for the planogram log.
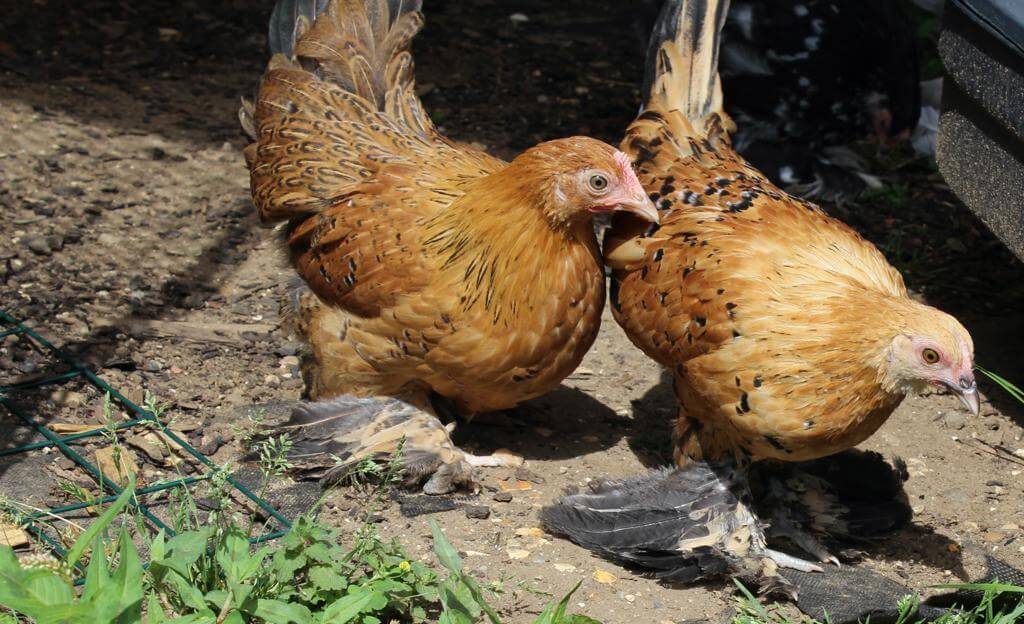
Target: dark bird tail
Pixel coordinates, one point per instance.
(682, 59)
(684, 525)
(708, 520)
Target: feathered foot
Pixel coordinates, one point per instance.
(332, 437)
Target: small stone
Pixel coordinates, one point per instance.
(565, 568)
(519, 18)
(153, 365)
(39, 246)
(289, 361)
(629, 598)
(272, 381)
(528, 475)
(478, 512)
(503, 497)
(516, 554)
(67, 398)
(288, 348)
(530, 532)
(604, 577)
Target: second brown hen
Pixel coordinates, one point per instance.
(430, 268)
(788, 336)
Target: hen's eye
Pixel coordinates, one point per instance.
(930, 356)
(598, 183)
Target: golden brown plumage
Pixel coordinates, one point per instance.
(789, 336)
(432, 267)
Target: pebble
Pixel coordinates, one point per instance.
(565, 567)
(478, 512)
(39, 246)
(272, 381)
(153, 365)
(503, 497)
(68, 398)
(289, 361)
(607, 578)
(288, 348)
(515, 554)
(519, 18)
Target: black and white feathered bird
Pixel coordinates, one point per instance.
(804, 79)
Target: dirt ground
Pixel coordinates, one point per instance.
(129, 239)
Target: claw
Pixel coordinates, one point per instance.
(794, 563)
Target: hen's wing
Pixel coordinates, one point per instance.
(347, 156)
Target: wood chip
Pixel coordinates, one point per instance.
(117, 470)
(604, 577)
(72, 428)
(13, 536)
(150, 445)
(510, 485)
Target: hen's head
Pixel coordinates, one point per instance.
(571, 179)
(933, 348)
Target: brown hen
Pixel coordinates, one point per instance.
(788, 336)
(431, 268)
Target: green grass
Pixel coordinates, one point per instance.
(1003, 383)
(208, 573)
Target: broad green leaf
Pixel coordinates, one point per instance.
(457, 606)
(195, 618)
(184, 549)
(154, 611)
(48, 588)
(277, 612)
(478, 597)
(345, 609)
(97, 576)
(126, 582)
(186, 593)
(158, 547)
(65, 614)
(446, 553)
(325, 578)
(89, 535)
